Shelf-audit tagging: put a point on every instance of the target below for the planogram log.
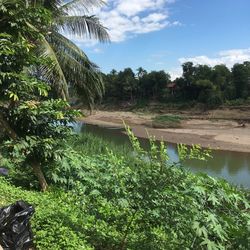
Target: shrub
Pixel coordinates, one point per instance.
(215, 100)
(113, 202)
(151, 204)
(212, 98)
(167, 121)
(55, 221)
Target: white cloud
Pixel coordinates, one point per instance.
(227, 57)
(131, 8)
(154, 17)
(128, 18)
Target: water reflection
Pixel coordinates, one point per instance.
(232, 166)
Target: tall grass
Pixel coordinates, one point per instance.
(90, 144)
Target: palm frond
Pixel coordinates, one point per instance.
(52, 72)
(75, 5)
(84, 26)
(51, 5)
(79, 71)
(87, 81)
(63, 44)
(84, 77)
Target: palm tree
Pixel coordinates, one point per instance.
(70, 65)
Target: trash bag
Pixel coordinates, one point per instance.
(15, 231)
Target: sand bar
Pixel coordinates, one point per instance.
(216, 134)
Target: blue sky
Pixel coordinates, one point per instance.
(162, 34)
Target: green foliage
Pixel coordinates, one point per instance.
(148, 203)
(89, 144)
(107, 200)
(195, 152)
(40, 22)
(238, 102)
(34, 125)
(167, 121)
(241, 79)
(214, 99)
(129, 86)
(198, 84)
(55, 221)
(112, 201)
(23, 19)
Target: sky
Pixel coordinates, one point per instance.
(163, 34)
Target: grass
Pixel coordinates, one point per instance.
(89, 144)
(167, 121)
(55, 221)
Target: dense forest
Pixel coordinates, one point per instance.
(211, 86)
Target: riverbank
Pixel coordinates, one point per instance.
(209, 132)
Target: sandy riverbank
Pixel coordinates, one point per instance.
(216, 134)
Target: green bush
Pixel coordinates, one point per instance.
(55, 221)
(215, 100)
(167, 121)
(238, 102)
(113, 202)
(148, 204)
(212, 98)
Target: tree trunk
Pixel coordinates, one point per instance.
(7, 129)
(35, 165)
(40, 176)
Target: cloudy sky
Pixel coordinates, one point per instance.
(162, 34)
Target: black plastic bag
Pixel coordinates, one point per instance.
(15, 231)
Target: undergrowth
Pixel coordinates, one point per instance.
(109, 201)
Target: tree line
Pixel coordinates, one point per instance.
(211, 86)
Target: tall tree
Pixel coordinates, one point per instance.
(221, 76)
(141, 75)
(34, 125)
(69, 64)
(241, 79)
(127, 81)
(188, 72)
(111, 85)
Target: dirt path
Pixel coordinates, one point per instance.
(216, 134)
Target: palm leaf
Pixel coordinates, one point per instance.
(74, 5)
(52, 72)
(78, 70)
(63, 44)
(84, 26)
(52, 5)
(86, 80)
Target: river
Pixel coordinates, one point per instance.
(232, 166)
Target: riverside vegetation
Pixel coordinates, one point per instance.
(100, 199)
(199, 86)
(95, 197)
